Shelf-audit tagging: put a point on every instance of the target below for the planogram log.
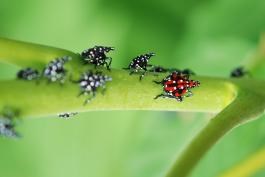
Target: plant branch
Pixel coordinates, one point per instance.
(26, 54)
(126, 92)
(247, 106)
(123, 93)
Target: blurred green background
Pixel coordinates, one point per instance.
(209, 37)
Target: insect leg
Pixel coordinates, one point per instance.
(89, 99)
(179, 98)
(81, 93)
(143, 74)
(131, 72)
(103, 89)
(164, 96)
(188, 72)
(108, 64)
(158, 82)
(189, 94)
(160, 95)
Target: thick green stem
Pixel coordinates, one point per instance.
(26, 54)
(123, 93)
(244, 108)
(126, 92)
(248, 104)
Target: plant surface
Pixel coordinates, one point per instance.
(234, 101)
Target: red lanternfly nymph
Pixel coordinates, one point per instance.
(177, 85)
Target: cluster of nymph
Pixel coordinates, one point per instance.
(176, 85)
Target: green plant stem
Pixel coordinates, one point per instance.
(126, 92)
(27, 54)
(245, 107)
(248, 105)
(123, 93)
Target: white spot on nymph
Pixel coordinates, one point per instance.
(59, 65)
(97, 84)
(174, 82)
(83, 83)
(175, 88)
(88, 87)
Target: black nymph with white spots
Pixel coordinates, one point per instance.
(239, 72)
(89, 83)
(67, 115)
(140, 63)
(55, 71)
(7, 128)
(28, 74)
(97, 56)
